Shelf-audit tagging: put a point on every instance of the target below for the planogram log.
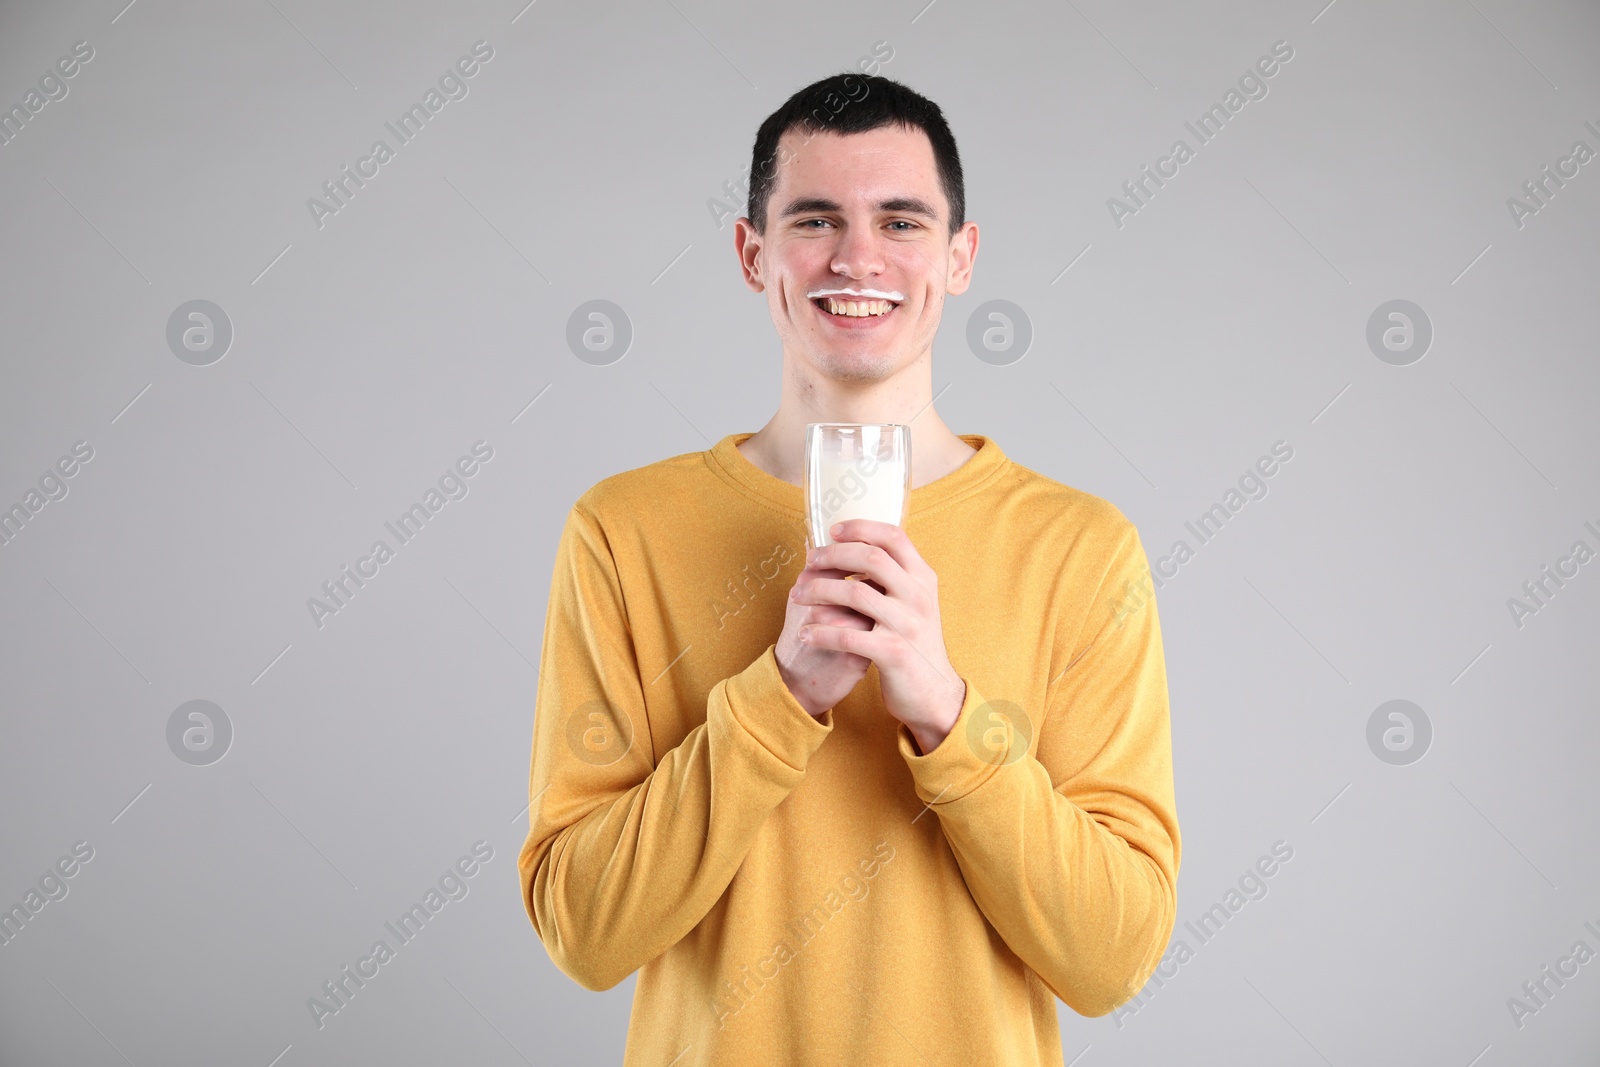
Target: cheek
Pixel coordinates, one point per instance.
(798, 269)
(921, 269)
(799, 256)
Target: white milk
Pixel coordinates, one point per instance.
(852, 489)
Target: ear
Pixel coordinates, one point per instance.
(747, 246)
(963, 251)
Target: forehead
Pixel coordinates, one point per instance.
(866, 167)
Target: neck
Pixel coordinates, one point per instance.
(907, 397)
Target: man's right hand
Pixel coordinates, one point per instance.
(819, 678)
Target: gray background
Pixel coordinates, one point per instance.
(430, 313)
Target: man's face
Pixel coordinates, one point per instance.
(864, 213)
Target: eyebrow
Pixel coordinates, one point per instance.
(907, 205)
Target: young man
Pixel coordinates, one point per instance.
(866, 822)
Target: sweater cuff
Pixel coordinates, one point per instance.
(763, 707)
(986, 737)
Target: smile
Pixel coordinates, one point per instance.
(835, 308)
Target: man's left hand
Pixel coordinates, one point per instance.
(919, 686)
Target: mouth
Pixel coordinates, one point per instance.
(854, 313)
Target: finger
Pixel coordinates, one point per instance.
(891, 538)
(809, 576)
(834, 615)
(869, 644)
(860, 596)
(810, 572)
(859, 557)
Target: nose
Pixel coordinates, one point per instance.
(859, 253)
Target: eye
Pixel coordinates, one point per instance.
(804, 224)
(904, 222)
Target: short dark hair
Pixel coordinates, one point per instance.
(849, 102)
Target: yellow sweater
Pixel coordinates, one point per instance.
(792, 897)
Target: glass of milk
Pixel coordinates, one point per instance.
(855, 470)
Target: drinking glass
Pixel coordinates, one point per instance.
(855, 470)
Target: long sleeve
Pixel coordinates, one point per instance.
(1071, 849)
(626, 850)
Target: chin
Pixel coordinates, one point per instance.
(863, 368)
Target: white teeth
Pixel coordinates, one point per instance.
(858, 308)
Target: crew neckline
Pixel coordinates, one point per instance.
(986, 464)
